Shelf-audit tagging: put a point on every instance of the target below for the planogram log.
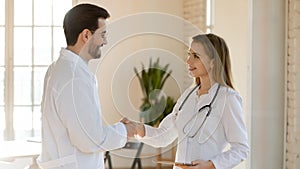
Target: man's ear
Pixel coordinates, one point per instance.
(85, 34)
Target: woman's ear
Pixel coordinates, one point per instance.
(212, 63)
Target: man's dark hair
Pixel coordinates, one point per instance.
(80, 17)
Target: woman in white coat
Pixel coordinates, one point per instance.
(208, 116)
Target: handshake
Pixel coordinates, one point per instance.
(133, 128)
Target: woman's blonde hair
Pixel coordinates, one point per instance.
(217, 49)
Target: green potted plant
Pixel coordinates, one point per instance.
(155, 105)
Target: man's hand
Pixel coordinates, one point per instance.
(131, 129)
(139, 128)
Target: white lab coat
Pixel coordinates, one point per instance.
(224, 126)
(73, 136)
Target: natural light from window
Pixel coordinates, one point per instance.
(209, 16)
(37, 38)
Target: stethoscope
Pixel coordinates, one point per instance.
(190, 129)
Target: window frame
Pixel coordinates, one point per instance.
(210, 4)
(9, 28)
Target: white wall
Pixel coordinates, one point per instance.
(268, 84)
(232, 22)
(255, 32)
(135, 35)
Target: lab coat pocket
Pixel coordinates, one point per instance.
(210, 125)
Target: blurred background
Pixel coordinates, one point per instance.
(262, 35)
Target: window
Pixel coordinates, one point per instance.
(209, 16)
(37, 38)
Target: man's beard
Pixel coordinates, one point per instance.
(95, 51)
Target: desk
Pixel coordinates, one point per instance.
(11, 150)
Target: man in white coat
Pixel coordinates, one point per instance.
(73, 136)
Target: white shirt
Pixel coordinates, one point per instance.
(72, 132)
(225, 125)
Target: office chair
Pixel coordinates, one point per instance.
(131, 146)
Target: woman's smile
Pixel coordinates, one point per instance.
(191, 69)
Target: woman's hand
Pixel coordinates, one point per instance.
(139, 127)
(198, 164)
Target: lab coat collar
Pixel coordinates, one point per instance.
(71, 56)
(207, 97)
(66, 54)
(213, 88)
